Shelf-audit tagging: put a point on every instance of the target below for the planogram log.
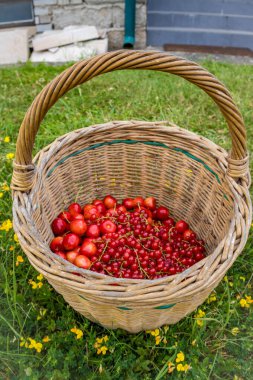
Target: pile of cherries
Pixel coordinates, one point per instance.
(135, 239)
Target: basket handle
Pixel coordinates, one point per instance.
(82, 71)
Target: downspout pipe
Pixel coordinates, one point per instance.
(129, 36)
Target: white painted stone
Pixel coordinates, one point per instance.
(73, 52)
(76, 1)
(43, 28)
(41, 11)
(44, 2)
(64, 37)
(100, 16)
(45, 19)
(13, 46)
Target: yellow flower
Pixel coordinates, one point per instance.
(102, 350)
(5, 187)
(1, 195)
(157, 339)
(180, 357)
(225, 278)
(235, 330)
(184, 368)
(248, 299)
(166, 328)
(38, 347)
(19, 260)
(245, 302)
(15, 237)
(211, 298)
(155, 332)
(11, 248)
(7, 139)
(22, 342)
(40, 277)
(200, 314)
(171, 367)
(6, 225)
(105, 338)
(33, 283)
(242, 278)
(39, 284)
(10, 156)
(46, 339)
(78, 332)
(194, 342)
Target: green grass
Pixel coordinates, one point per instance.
(36, 313)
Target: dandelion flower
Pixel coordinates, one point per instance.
(7, 139)
(10, 156)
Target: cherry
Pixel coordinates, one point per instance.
(109, 202)
(108, 226)
(75, 208)
(78, 217)
(88, 248)
(65, 215)
(181, 226)
(56, 244)
(70, 241)
(90, 211)
(61, 254)
(138, 202)
(128, 203)
(162, 213)
(82, 261)
(59, 226)
(150, 203)
(101, 208)
(78, 227)
(71, 255)
(93, 231)
(188, 234)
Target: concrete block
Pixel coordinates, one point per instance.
(63, 2)
(13, 46)
(44, 27)
(44, 2)
(98, 15)
(76, 1)
(73, 52)
(41, 11)
(45, 19)
(64, 37)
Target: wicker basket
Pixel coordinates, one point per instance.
(196, 179)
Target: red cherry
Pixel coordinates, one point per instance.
(75, 208)
(82, 261)
(128, 203)
(78, 227)
(187, 235)
(101, 208)
(169, 222)
(138, 202)
(61, 254)
(150, 203)
(56, 244)
(97, 202)
(70, 241)
(59, 226)
(71, 255)
(90, 211)
(109, 201)
(77, 217)
(181, 226)
(88, 248)
(162, 213)
(121, 209)
(93, 231)
(65, 215)
(108, 226)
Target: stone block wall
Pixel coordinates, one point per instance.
(104, 14)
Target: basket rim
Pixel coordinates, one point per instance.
(46, 153)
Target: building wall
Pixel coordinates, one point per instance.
(104, 14)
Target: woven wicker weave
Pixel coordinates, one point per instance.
(196, 179)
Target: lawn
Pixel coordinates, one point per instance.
(217, 346)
